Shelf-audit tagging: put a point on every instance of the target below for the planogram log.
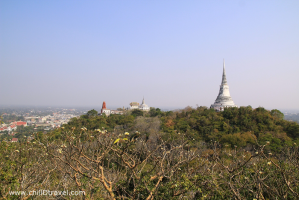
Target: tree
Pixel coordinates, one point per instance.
(155, 112)
(276, 113)
(92, 113)
(137, 112)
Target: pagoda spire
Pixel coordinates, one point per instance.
(103, 107)
(223, 99)
(224, 81)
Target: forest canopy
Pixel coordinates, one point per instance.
(240, 153)
(234, 126)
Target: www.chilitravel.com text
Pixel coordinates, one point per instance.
(47, 193)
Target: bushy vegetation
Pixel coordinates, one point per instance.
(233, 126)
(240, 153)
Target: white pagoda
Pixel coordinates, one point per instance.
(224, 99)
(143, 106)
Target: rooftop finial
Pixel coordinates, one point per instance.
(224, 81)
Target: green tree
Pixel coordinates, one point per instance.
(155, 112)
(276, 113)
(92, 113)
(137, 112)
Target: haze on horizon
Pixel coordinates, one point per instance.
(81, 53)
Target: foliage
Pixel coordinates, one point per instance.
(137, 112)
(124, 166)
(155, 112)
(240, 153)
(232, 126)
(91, 113)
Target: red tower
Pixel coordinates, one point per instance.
(103, 106)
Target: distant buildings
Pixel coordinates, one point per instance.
(20, 123)
(133, 105)
(105, 110)
(52, 121)
(12, 126)
(55, 120)
(143, 106)
(108, 111)
(4, 128)
(224, 99)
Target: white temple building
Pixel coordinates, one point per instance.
(108, 111)
(134, 105)
(223, 99)
(143, 106)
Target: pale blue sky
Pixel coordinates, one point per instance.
(81, 53)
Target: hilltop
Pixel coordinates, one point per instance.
(241, 127)
(240, 153)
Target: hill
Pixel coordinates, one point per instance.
(240, 153)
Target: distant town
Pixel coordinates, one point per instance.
(30, 120)
(24, 120)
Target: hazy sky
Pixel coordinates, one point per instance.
(81, 53)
